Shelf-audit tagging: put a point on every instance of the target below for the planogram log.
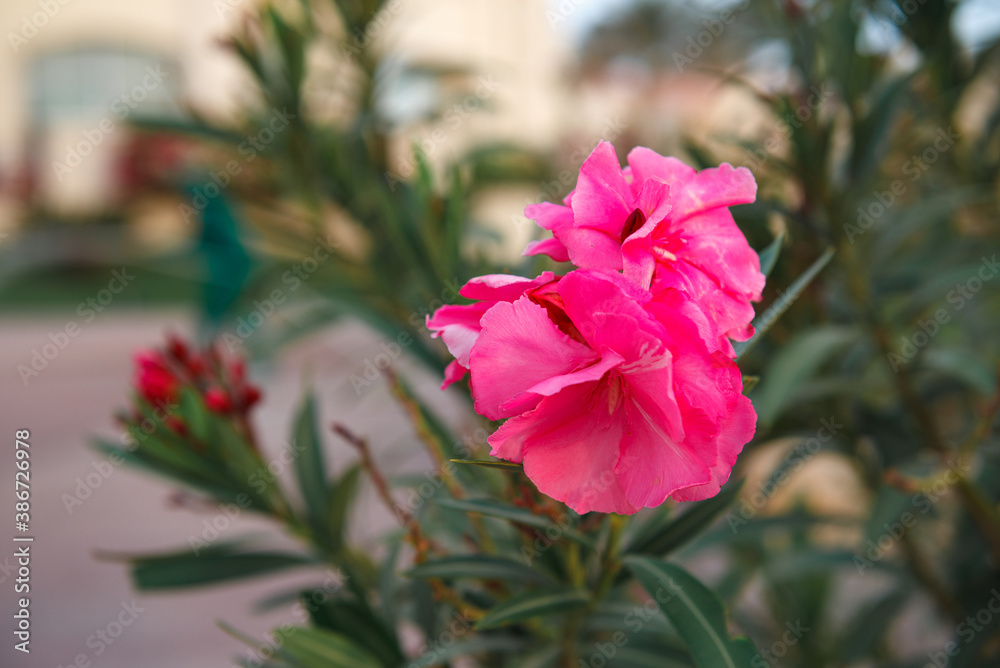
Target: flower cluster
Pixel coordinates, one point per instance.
(161, 373)
(617, 380)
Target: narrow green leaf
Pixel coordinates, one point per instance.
(437, 655)
(496, 464)
(777, 309)
(195, 416)
(769, 256)
(496, 509)
(355, 620)
(538, 603)
(662, 540)
(315, 648)
(479, 568)
(647, 657)
(342, 495)
(511, 513)
(310, 467)
(795, 363)
(211, 565)
(696, 613)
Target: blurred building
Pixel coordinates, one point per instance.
(78, 71)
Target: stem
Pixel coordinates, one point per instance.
(436, 451)
(577, 577)
(421, 543)
(610, 564)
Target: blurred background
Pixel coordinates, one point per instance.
(188, 166)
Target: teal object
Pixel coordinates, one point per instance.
(221, 243)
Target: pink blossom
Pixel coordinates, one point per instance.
(609, 409)
(664, 225)
(458, 324)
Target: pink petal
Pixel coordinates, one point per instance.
(654, 200)
(453, 373)
(694, 191)
(503, 287)
(550, 216)
(608, 311)
(645, 163)
(608, 361)
(653, 465)
(519, 348)
(458, 326)
(735, 432)
(569, 445)
(551, 247)
(714, 244)
(602, 199)
(731, 314)
(592, 248)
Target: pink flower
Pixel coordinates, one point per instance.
(458, 324)
(609, 409)
(664, 225)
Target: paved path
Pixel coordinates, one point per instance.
(73, 595)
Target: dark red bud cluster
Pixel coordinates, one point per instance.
(220, 380)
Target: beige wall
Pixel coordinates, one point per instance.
(179, 31)
(510, 43)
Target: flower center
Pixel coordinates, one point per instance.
(616, 392)
(635, 220)
(550, 300)
(668, 248)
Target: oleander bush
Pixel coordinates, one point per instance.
(829, 467)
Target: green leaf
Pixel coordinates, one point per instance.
(769, 256)
(342, 495)
(648, 657)
(355, 620)
(763, 322)
(475, 646)
(795, 363)
(497, 464)
(695, 612)
(537, 603)
(437, 655)
(479, 568)
(173, 464)
(211, 565)
(511, 513)
(310, 467)
(867, 629)
(315, 648)
(194, 415)
(662, 540)
(964, 365)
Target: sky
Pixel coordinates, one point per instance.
(976, 21)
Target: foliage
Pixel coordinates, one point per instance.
(891, 350)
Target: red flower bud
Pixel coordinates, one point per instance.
(251, 395)
(177, 425)
(218, 401)
(155, 381)
(177, 348)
